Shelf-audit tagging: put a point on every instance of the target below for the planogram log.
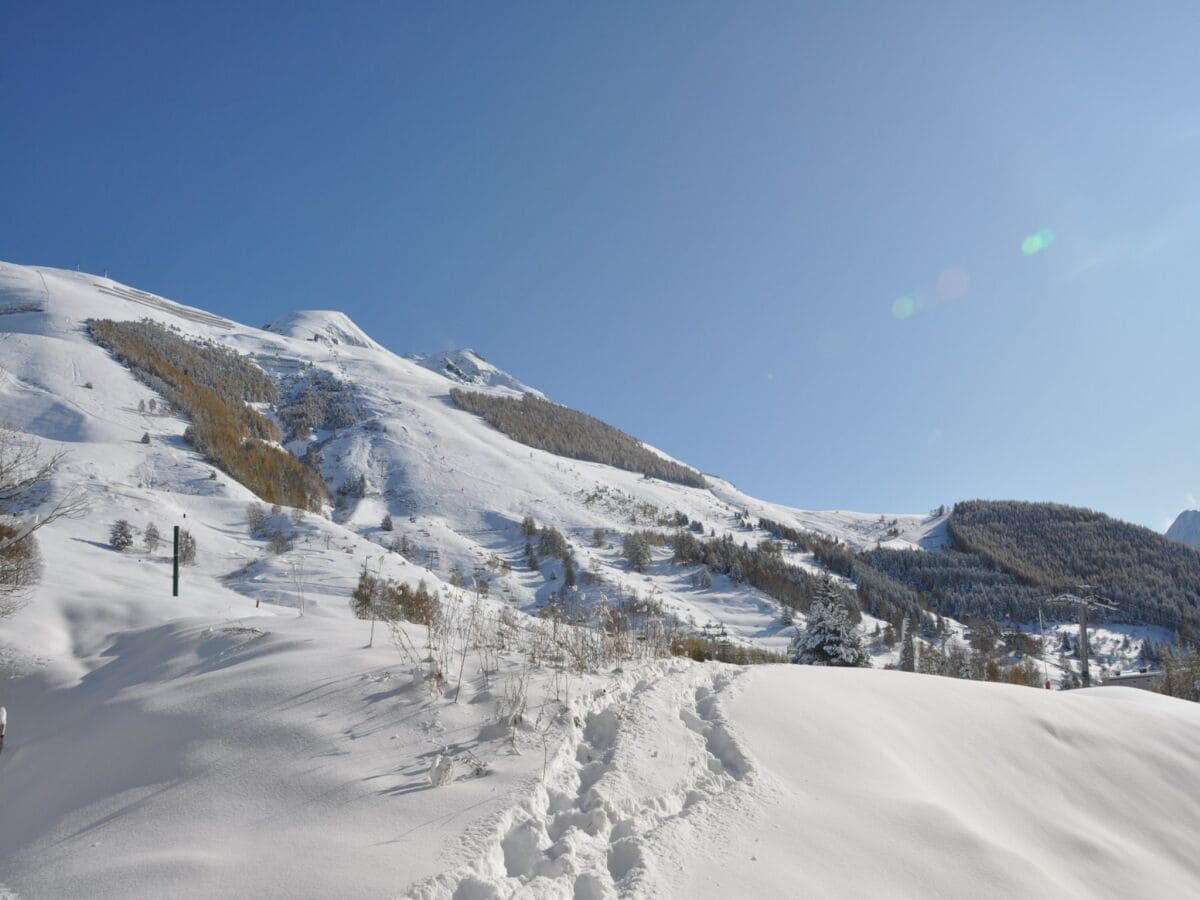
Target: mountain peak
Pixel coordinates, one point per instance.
(324, 325)
(468, 366)
(1186, 528)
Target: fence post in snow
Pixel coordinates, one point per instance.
(175, 568)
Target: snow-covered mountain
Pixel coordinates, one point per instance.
(456, 488)
(1186, 528)
(252, 737)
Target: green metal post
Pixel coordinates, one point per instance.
(175, 568)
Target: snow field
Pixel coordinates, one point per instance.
(260, 756)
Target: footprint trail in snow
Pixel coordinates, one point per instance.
(648, 762)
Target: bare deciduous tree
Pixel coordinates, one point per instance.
(27, 503)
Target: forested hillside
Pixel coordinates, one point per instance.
(958, 584)
(1007, 557)
(567, 432)
(213, 387)
(1151, 579)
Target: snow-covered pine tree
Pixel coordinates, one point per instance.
(120, 537)
(908, 655)
(829, 639)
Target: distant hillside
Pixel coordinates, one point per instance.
(1006, 557)
(567, 432)
(1152, 579)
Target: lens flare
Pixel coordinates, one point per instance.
(952, 284)
(903, 307)
(1037, 242)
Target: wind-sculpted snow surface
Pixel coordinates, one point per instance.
(886, 784)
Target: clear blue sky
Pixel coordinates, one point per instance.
(780, 241)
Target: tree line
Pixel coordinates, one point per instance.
(570, 433)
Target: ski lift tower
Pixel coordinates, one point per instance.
(1085, 600)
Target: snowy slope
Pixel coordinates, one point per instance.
(456, 488)
(708, 781)
(277, 756)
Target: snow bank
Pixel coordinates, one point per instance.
(709, 781)
(872, 783)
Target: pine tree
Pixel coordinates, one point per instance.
(930, 660)
(187, 548)
(528, 526)
(908, 656)
(1181, 677)
(552, 543)
(365, 593)
(387, 524)
(151, 537)
(120, 537)
(829, 639)
(145, 437)
(637, 551)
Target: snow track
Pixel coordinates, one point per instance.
(638, 766)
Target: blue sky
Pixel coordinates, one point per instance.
(781, 241)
